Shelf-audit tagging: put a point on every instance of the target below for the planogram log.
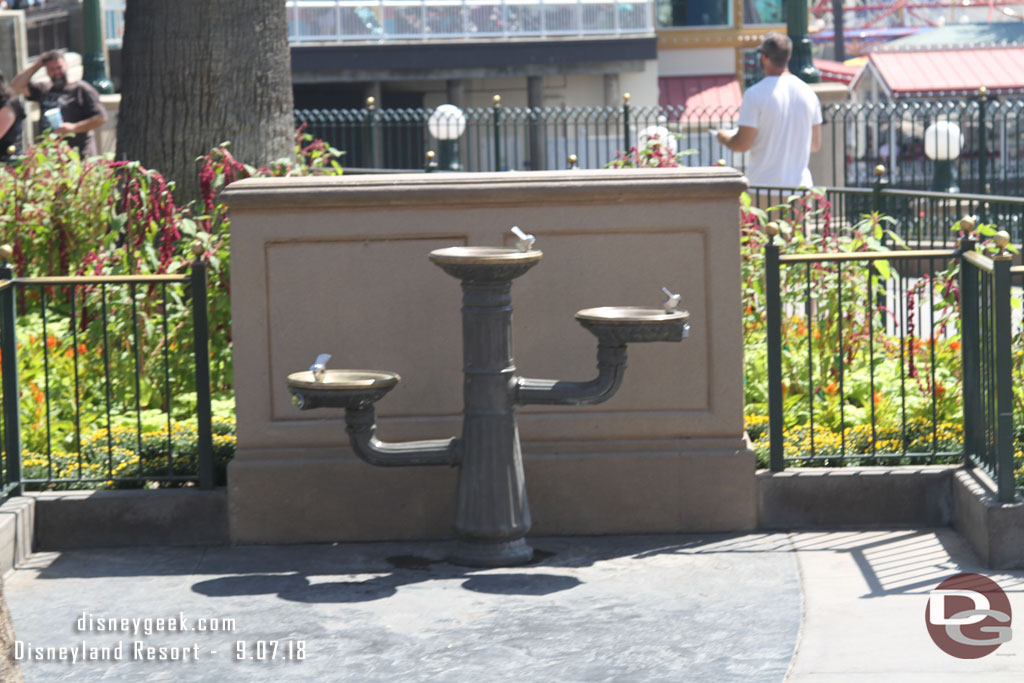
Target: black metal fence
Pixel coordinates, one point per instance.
(866, 349)
(47, 28)
(500, 138)
(982, 137)
(922, 218)
(987, 333)
(973, 144)
(95, 352)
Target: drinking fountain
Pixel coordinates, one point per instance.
(492, 515)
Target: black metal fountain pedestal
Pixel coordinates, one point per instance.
(492, 515)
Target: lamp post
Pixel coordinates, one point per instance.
(942, 144)
(94, 64)
(447, 124)
(801, 63)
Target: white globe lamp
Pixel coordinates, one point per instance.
(447, 124)
(943, 142)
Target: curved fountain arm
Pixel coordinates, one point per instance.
(360, 423)
(611, 366)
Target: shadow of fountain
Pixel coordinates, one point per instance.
(409, 569)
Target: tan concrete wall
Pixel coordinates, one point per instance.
(569, 90)
(340, 266)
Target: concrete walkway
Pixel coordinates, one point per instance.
(835, 606)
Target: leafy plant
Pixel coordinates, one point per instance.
(117, 355)
(657, 151)
(853, 352)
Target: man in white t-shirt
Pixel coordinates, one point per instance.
(780, 122)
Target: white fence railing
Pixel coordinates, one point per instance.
(334, 21)
(113, 22)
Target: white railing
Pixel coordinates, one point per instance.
(113, 22)
(336, 21)
(361, 20)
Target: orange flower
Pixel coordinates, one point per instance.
(955, 345)
(51, 341)
(82, 348)
(877, 398)
(833, 387)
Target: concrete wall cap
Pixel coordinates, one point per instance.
(862, 471)
(419, 189)
(830, 92)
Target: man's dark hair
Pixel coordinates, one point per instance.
(777, 48)
(51, 55)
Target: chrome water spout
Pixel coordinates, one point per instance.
(672, 302)
(525, 241)
(319, 367)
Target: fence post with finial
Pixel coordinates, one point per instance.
(877, 187)
(1001, 264)
(371, 120)
(970, 343)
(496, 108)
(982, 143)
(626, 133)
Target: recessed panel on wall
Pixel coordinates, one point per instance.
(615, 267)
(372, 304)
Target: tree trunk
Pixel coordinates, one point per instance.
(9, 670)
(200, 72)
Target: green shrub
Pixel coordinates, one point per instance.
(122, 452)
(120, 355)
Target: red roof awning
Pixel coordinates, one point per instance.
(836, 71)
(700, 93)
(936, 72)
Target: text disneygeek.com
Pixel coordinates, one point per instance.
(145, 650)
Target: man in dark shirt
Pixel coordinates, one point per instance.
(79, 103)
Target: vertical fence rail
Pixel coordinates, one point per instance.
(983, 160)
(9, 359)
(201, 332)
(497, 132)
(773, 321)
(626, 134)
(372, 137)
(1003, 378)
(970, 349)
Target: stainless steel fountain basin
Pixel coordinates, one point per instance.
(341, 388)
(630, 324)
(485, 264)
